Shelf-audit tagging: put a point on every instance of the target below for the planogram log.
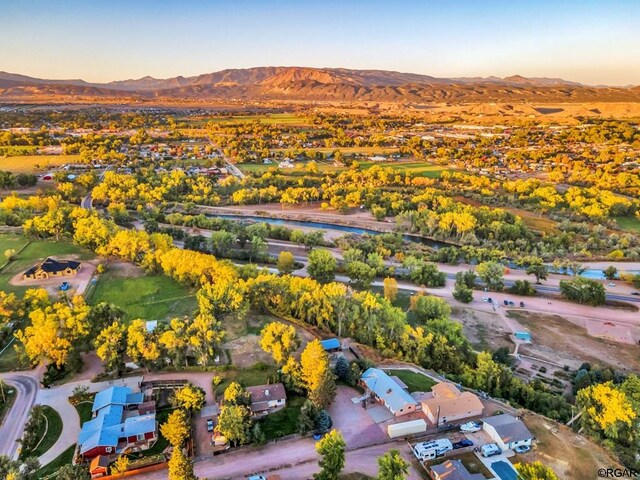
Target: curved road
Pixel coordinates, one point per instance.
(11, 430)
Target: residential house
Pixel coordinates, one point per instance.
(266, 399)
(122, 422)
(52, 268)
(390, 391)
(99, 466)
(447, 404)
(507, 431)
(453, 470)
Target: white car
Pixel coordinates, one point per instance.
(611, 284)
(485, 299)
(470, 427)
(522, 449)
(490, 450)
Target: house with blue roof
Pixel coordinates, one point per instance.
(389, 391)
(122, 423)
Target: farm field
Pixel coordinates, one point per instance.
(149, 297)
(36, 251)
(33, 163)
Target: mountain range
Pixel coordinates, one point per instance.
(315, 84)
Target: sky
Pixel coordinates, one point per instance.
(590, 41)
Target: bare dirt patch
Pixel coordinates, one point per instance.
(572, 456)
(485, 330)
(562, 342)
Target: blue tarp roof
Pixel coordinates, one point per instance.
(330, 344)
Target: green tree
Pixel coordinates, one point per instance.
(342, 368)
(72, 472)
(391, 466)
(535, 471)
(235, 423)
(583, 290)
(610, 272)
(286, 263)
(466, 278)
(540, 271)
(522, 287)
(361, 274)
(462, 293)
(331, 448)
(321, 266)
(308, 417)
(491, 273)
(429, 307)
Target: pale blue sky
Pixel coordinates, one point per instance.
(591, 41)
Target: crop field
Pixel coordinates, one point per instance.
(34, 163)
(149, 297)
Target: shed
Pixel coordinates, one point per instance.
(331, 345)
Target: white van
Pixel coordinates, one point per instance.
(490, 450)
(432, 449)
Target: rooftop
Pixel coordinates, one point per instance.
(509, 428)
(387, 389)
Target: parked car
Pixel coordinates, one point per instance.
(465, 442)
(490, 450)
(209, 425)
(635, 293)
(506, 302)
(611, 284)
(522, 304)
(257, 477)
(520, 449)
(65, 286)
(485, 299)
(470, 427)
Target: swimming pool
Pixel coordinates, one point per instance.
(504, 470)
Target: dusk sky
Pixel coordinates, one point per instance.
(594, 42)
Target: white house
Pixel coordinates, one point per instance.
(390, 391)
(507, 431)
(267, 398)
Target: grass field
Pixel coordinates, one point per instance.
(84, 411)
(415, 381)
(49, 433)
(247, 377)
(36, 251)
(32, 163)
(629, 224)
(149, 297)
(9, 359)
(283, 422)
(65, 458)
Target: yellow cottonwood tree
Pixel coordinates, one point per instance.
(279, 340)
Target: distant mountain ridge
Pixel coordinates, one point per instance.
(334, 84)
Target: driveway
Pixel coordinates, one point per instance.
(26, 388)
(353, 421)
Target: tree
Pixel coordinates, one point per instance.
(142, 345)
(540, 271)
(466, 278)
(535, 471)
(235, 394)
(111, 345)
(176, 428)
(72, 472)
(361, 274)
(190, 397)
(180, 467)
(121, 465)
(606, 409)
(583, 290)
(316, 375)
(390, 289)
(9, 253)
(424, 273)
(491, 274)
(331, 448)
(391, 466)
(321, 266)
(342, 368)
(610, 272)
(522, 287)
(308, 417)
(462, 293)
(280, 340)
(286, 263)
(234, 423)
(429, 307)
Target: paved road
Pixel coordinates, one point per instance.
(26, 386)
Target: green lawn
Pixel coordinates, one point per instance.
(49, 433)
(247, 377)
(9, 359)
(150, 297)
(415, 381)
(10, 395)
(65, 458)
(36, 251)
(629, 224)
(283, 422)
(84, 411)
(32, 163)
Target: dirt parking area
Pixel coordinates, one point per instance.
(485, 330)
(572, 456)
(353, 421)
(78, 282)
(562, 342)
